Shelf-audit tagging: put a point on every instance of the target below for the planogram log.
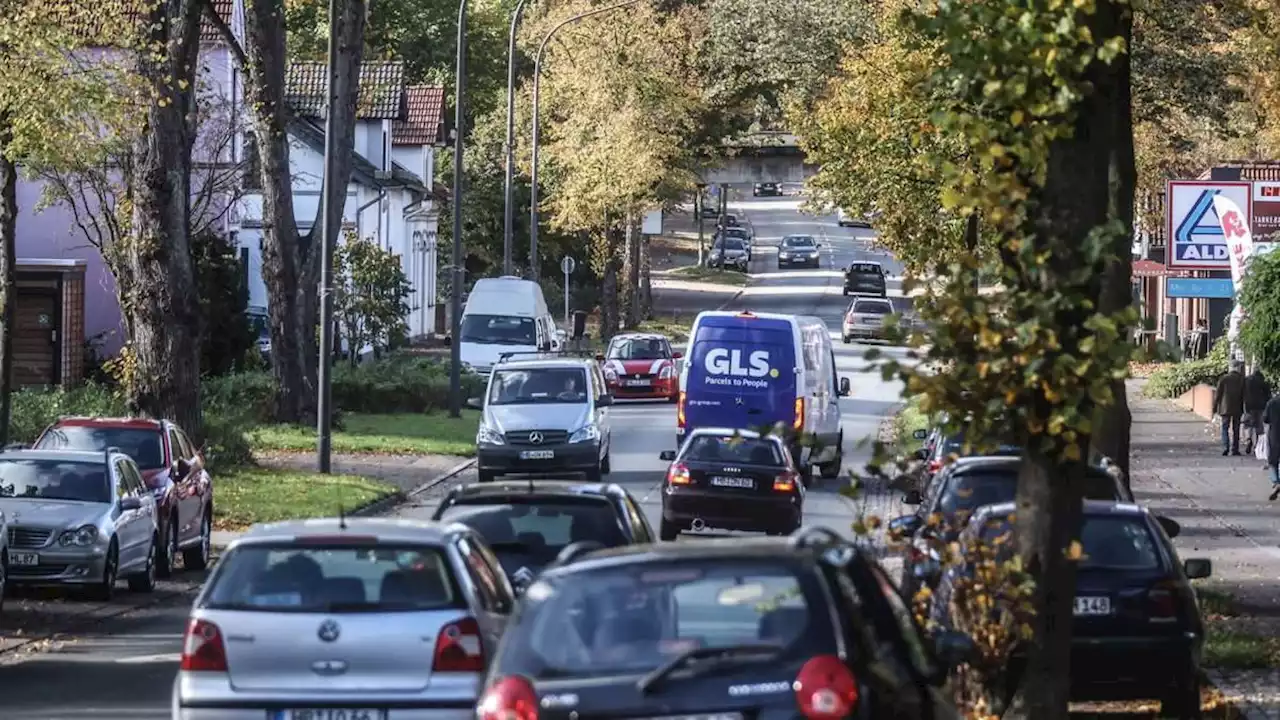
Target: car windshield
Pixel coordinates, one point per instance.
(55, 480)
(498, 330)
(531, 534)
(971, 490)
(955, 444)
(633, 619)
(729, 449)
(639, 349)
(872, 308)
(144, 445)
(799, 241)
(1107, 542)
(730, 243)
(335, 578)
(538, 385)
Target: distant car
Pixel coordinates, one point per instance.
(866, 278)
(847, 219)
(864, 319)
(799, 250)
(737, 232)
(766, 189)
(1137, 631)
(172, 468)
(641, 366)
(729, 628)
(78, 519)
(528, 523)
(318, 618)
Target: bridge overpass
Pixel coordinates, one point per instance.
(762, 157)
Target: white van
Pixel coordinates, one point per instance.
(504, 315)
(745, 370)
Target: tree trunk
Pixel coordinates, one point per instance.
(609, 305)
(163, 305)
(291, 262)
(646, 280)
(8, 272)
(631, 247)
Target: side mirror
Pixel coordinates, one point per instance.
(1171, 526)
(475, 403)
(912, 497)
(953, 648)
(844, 387)
(599, 357)
(179, 469)
(905, 525)
(677, 355)
(604, 401)
(920, 434)
(448, 340)
(130, 503)
(667, 455)
(1197, 568)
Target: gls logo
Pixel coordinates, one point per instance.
(729, 362)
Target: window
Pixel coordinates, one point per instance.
(188, 447)
(55, 480)
(176, 450)
(133, 479)
(122, 481)
(499, 330)
(532, 533)
(1108, 543)
(482, 576)
(731, 449)
(144, 445)
(252, 178)
(636, 517)
(871, 307)
(538, 386)
(505, 601)
(639, 348)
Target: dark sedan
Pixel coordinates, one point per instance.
(766, 189)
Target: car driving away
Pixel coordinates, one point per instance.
(641, 366)
(866, 278)
(799, 250)
(865, 320)
(527, 524)
(731, 480)
(742, 628)
(343, 618)
(1137, 632)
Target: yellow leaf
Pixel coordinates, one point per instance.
(1075, 550)
(1016, 118)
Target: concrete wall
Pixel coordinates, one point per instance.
(761, 168)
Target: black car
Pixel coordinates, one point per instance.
(865, 278)
(762, 628)
(932, 456)
(1137, 631)
(766, 189)
(527, 523)
(731, 480)
(961, 488)
(799, 250)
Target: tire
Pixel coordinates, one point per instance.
(806, 475)
(1182, 700)
(166, 561)
(606, 466)
(845, 292)
(106, 587)
(667, 531)
(486, 476)
(846, 339)
(832, 469)
(673, 398)
(197, 558)
(145, 581)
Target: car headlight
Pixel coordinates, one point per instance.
(488, 436)
(784, 254)
(83, 536)
(667, 372)
(586, 433)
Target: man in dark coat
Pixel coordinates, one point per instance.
(1257, 393)
(1228, 402)
(1272, 418)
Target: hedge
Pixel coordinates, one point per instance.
(1172, 381)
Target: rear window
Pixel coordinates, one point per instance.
(955, 444)
(1107, 542)
(970, 491)
(635, 618)
(715, 448)
(142, 444)
(333, 579)
(543, 527)
(864, 268)
(872, 308)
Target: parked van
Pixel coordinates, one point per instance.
(504, 315)
(745, 370)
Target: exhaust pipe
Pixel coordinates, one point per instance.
(698, 525)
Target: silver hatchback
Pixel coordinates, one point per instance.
(865, 319)
(358, 619)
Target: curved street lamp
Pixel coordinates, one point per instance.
(508, 209)
(533, 173)
(457, 270)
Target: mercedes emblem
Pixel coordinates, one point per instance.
(329, 631)
(535, 438)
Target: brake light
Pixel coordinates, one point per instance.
(202, 648)
(679, 475)
(459, 648)
(786, 482)
(1162, 603)
(826, 689)
(511, 698)
(798, 423)
(680, 410)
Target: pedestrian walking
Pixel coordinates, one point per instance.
(1257, 393)
(1271, 416)
(1228, 402)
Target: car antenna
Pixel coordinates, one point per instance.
(342, 517)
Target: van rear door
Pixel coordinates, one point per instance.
(741, 373)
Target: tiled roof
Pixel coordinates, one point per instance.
(382, 95)
(424, 124)
(209, 33)
(103, 23)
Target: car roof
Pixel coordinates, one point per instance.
(798, 235)
(979, 463)
(550, 362)
(386, 530)
(116, 422)
(536, 488)
(76, 456)
(639, 336)
(713, 549)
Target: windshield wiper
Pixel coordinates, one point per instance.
(759, 651)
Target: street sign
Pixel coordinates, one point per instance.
(652, 223)
(1193, 230)
(567, 265)
(1199, 288)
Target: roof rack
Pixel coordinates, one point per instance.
(576, 550)
(812, 536)
(503, 357)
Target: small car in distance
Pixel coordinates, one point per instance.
(799, 250)
(730, 252)
(641, 366)
(848, 219)
(866, 278)
(864, 320)
(766, 189)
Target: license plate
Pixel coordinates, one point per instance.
(637, 383)
(537, 454)
(733, 482)
(1093, 606)
(871, 321)
(330, 714)
(23, 559)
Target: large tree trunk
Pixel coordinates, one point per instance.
(646, 279)
(163, 305)
(609, 306)
(8, 284)
(291, 262)
(631, 248)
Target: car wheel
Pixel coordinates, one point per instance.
(806, 475)
(197, 558)
(145, 581)
(667, 531)
(832, 469)
(485, 476)
(106, 587)
(595, 474)
(169, 550)
(606, 466)
(1183, 699)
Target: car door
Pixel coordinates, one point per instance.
(192, 486)
(132, 533)
(491, 606)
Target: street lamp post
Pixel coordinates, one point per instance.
(533, 170)
(508, 208)
(455, 304)
(324, 412)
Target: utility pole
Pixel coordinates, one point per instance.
(324, 414)
(458, 271)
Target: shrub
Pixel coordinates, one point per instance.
(34, 410)
(398, 384)
(1173, 380)
(248, 395)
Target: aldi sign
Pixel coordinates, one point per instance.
(1194, 233)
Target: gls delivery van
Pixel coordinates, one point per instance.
(746, 371)
(504, 315)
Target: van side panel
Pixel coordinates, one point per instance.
(741, 373)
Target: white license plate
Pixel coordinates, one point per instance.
(537, 454)
(733, 482)
(871, 321)
(24, 559)
(637, 383)
(330, 714)
(1092, 606)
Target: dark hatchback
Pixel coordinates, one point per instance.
(737, 628)
(865, 278)
(528, 523)
(1137, 631)
(766, 189)
(731, 480)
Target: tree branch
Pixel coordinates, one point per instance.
(225, 31)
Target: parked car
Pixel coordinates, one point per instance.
(172, 468)
(739, 232)
(344, 618)
(4, 556)
(864, 320)
(780, 627)
(1137, 632)
(78, 519)
(848, 219)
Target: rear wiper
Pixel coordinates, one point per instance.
(762, 651)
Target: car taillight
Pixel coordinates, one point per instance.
(786, 482)
(826, 689)
(1162, 603)
(202, 648)
(680, 411)
(679, 475)
(459, 648)
(511, 698)
(798, 423)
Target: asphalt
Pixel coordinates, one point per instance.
(124, 669)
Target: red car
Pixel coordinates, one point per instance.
(641, 366)
(173, 469)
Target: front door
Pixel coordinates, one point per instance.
(35, 338)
